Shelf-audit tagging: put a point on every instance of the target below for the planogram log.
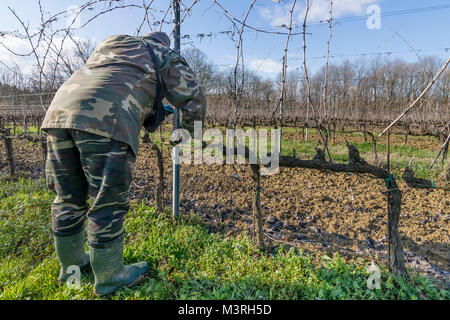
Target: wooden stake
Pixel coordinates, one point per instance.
(10, 156)
(442, 148)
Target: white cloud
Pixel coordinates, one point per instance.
(268, 66)
(27, 63)
(19, 46)
(278, 14)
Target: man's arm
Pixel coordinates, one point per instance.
(182, 89)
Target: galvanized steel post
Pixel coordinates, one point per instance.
(176, 120)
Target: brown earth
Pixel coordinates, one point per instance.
(319, 212)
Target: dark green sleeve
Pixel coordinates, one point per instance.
(182, 90)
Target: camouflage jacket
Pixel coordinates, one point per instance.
(114, 92)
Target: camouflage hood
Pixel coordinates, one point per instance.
(159, 36)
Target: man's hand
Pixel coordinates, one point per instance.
(173, 143)
(168, 110)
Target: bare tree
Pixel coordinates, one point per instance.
(203, 69)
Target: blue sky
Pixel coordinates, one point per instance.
(426, 30)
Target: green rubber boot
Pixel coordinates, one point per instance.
(110, 272)
(70, 251)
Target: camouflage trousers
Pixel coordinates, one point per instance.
(82, 166)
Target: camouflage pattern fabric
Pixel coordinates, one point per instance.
(82, 165)
(114, 92)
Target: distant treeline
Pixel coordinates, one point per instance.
(373, 89)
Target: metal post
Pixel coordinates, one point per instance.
(176, 121)
(307, 118)
(281, 106)
(389, 151)
(388, 198)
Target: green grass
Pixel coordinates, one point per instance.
(21, 129)
(186, 261)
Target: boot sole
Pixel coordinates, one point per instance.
(136, 282)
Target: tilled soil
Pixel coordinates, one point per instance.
(319, 212)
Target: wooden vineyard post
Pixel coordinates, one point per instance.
(445, 148)
(374, 146)
(9, 156)
(396, 262)
(43, 143)
(146, 137)
(444, 155)
(159, 195)
(256, 205)
(396, 258)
